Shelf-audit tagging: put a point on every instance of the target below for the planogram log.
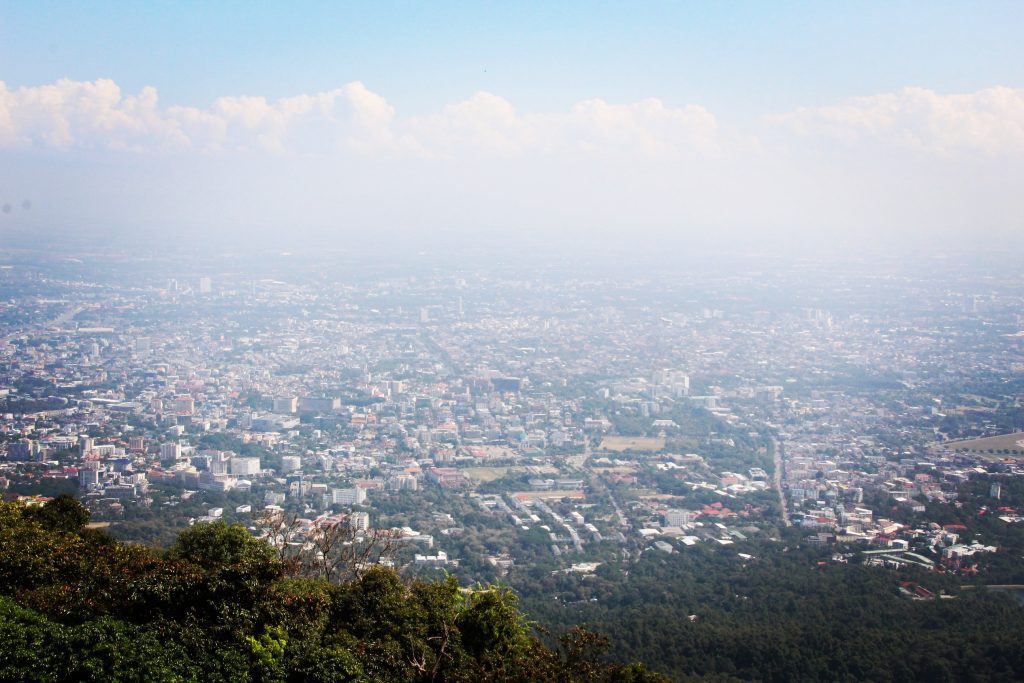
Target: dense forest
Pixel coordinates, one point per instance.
(788, 614)
(220, 605)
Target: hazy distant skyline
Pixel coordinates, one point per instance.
(765, 123)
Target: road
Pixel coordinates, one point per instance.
(600, 488)
(64, 317)
(577, 461)
(777, 480)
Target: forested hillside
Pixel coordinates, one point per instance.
(220, 605)
(783, 614)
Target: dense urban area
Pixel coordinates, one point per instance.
(609, 442)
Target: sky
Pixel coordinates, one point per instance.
(783, 124)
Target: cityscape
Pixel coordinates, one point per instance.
(511, 342)
(491, 424)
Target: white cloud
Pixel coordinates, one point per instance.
(96, 115)
(484, 123)
(487, 123)
(989, 121)
(351, 117)
(84, 114)
(647, 126)
(911, 162)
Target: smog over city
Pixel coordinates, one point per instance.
(511, 341)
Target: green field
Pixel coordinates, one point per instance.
(618, 444)
(996, 446)
(486, 474)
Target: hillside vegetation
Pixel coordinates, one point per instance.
(220, 605)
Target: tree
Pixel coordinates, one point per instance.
(333, 548)
(220, 606)
(219, 544)
(63, 513)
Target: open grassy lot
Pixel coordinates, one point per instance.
(494, 452)
(684, 443)
(996, 446)
(618, 444)
(619, 469)
(486, 474)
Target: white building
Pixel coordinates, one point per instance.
(353, 496)
(439, 560)
(88, 478)
(170, 451)
(244, 466)
(677, 517)
(360, 521)
(286, 404)
(403, 482)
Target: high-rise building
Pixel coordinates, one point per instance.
(403, 482)
(286, 404)
(88, 478)
(353, 496)
(319, 405)
(677, 517)
(360, 521)
(24, 450)
(244, 466)
(170, 451)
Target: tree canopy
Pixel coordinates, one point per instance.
(220, 605)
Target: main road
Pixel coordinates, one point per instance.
(64, 317)
(777, 480)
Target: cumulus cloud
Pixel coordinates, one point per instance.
(97, 115)
(84, 114)
(337, 162)
(647, 126)
(489, 123)
(350, 117)
(989, 121)
(485, 123)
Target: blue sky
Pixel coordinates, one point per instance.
(751, 119)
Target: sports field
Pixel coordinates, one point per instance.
(486, 474)
(618, 444)
(996, 446)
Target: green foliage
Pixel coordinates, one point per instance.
(783, 617)
(63, 513)
(76, 605)
(268, 651)
(494, 626)
(34, 648)
(219, 545)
